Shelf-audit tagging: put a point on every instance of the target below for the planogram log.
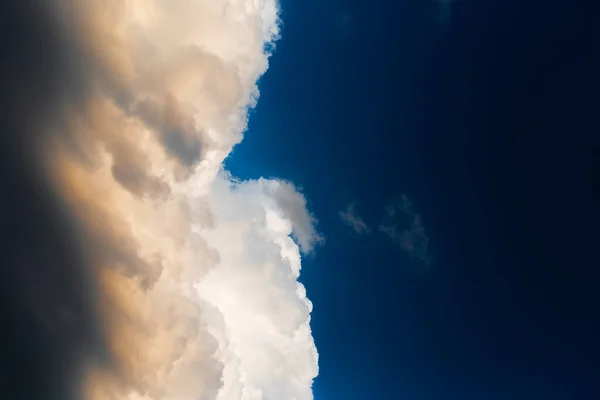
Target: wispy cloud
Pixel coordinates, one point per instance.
(444, 10)
(404, 226)
(353, 220)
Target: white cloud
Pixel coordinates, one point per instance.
(353, 220)
(266, 314)
(199, 271)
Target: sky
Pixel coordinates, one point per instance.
(266, 200)
(485, 123)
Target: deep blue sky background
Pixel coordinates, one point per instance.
(488, 122)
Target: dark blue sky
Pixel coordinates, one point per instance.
(487, 121)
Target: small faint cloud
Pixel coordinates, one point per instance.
(353, 220)
(444, 10)
(344, 19)
(404, 226)
(344, 23)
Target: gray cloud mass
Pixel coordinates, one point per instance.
(127, 248)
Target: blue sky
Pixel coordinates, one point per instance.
(367, 101)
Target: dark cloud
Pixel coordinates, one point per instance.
(175, 133)
(48, 296)
(130, 168)
(47, 293)
(56, 100)
(185, 147)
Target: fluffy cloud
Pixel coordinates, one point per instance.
(353, 220)
(197, 272)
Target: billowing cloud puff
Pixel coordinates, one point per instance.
(197, 272)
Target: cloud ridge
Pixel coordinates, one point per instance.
(197, 272)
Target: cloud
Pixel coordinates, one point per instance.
(193, 273)
(293, 208)
(403, 225)
(48, 291)
(345, 23)
(444, 10)
(350, 218)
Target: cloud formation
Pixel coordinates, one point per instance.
(403, 225)
(196, 272)
(353, 220)
(444, 10)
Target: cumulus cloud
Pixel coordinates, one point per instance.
(353, 220)
(403, 225)
(197, 272)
